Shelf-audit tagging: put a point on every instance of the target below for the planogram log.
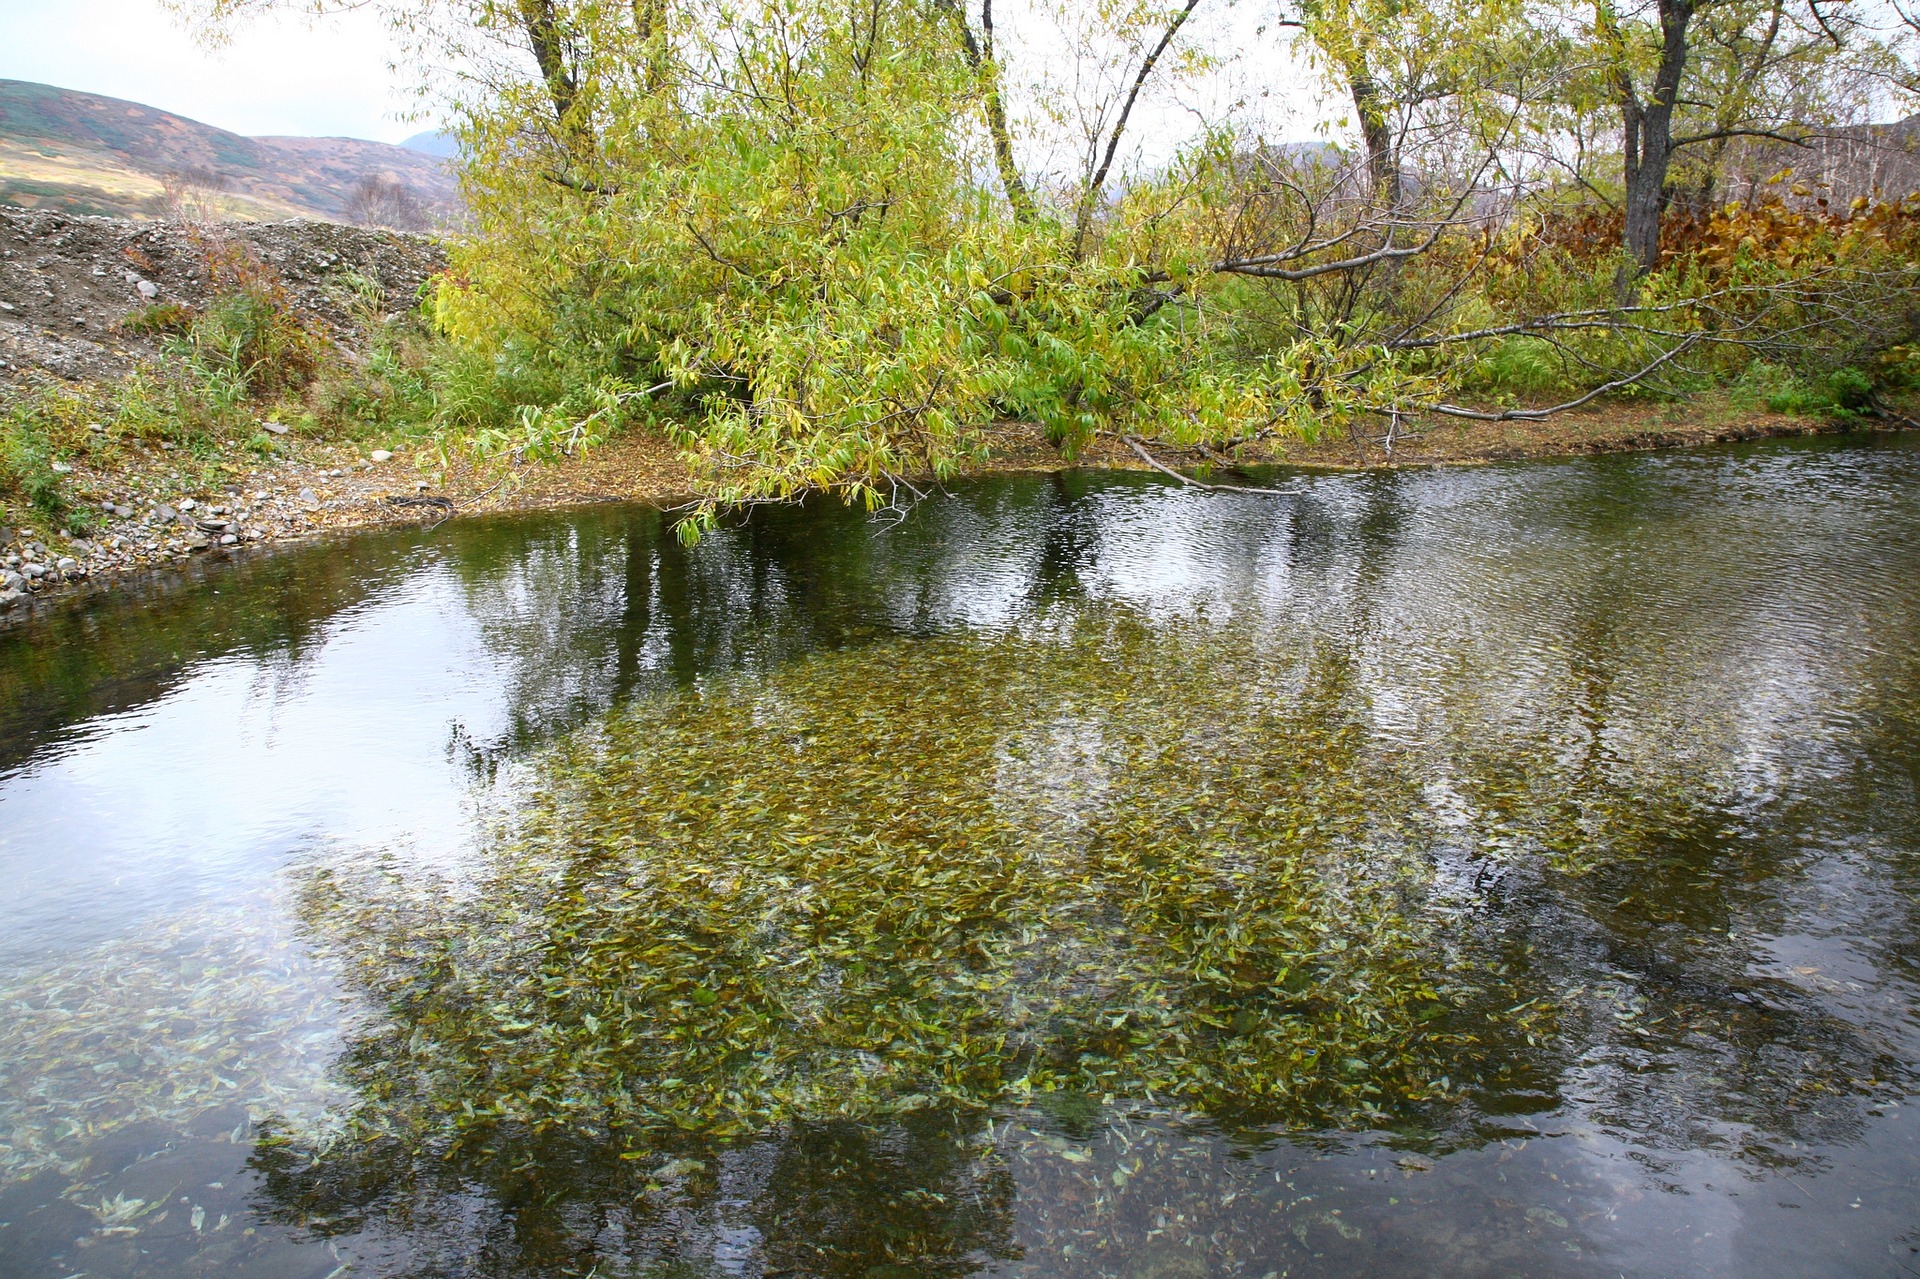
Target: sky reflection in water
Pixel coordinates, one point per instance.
(1650, 727)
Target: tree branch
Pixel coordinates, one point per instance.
(1133, 442)
(1083, 220)
(1540, 415)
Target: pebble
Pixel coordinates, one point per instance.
(147, 289)
(155, 532)
(61, 468)
(274, 428)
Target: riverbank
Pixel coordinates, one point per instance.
(152, 508)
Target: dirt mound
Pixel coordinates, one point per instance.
(69, 284)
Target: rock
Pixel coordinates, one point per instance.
(60, 468)
(229, 539)
(165, 514)
(187, 504)
(382, 455)
(96, 428)
(309, 497)
(273, 428)
(197, 541)
(34, 571)
(9, 598)
(147, 289)
(10, 580)
(124, 512)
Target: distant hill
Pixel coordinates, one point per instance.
(436, 142)
(84, 153)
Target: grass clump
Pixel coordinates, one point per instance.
(244, 358)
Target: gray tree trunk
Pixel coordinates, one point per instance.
(1648, 128)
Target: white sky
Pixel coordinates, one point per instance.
(280, 75)
(286, 74)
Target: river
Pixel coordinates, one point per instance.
(1475, 871)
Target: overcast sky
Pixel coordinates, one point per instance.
(281, 75)
(287, 75)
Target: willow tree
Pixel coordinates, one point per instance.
(802, 239)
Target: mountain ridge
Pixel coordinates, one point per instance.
(67, 150)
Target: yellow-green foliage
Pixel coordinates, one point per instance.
(789, 255)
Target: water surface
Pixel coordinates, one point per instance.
(1506, 870)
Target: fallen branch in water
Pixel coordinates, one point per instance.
(1133, 442)
(1885, 414)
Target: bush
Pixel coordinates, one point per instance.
(27, 478)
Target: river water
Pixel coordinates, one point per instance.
(1493, 871)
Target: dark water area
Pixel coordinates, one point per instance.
(1495, 871)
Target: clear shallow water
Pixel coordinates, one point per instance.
(1619, 758)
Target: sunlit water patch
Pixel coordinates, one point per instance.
(1497, 871)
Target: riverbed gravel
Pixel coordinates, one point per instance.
(153, 521)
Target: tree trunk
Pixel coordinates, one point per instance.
(1383, 167)
(1648, 134)
(987, 73)
(542, 25)
(650, 24)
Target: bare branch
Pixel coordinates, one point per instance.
(1133, 442)
(1539, 415)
